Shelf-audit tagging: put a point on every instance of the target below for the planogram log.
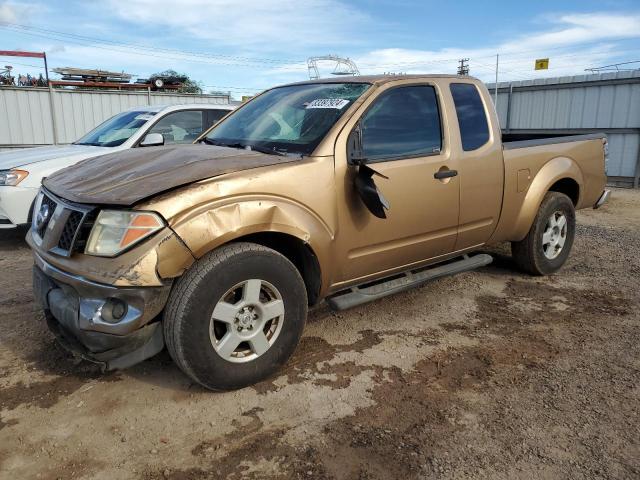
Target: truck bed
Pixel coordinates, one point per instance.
(522, 140)
(578, 156)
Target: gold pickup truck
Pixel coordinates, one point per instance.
(342, 190)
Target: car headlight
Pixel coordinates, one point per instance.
(12, 177)
(116, 230)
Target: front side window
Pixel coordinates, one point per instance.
(472, 118)
(403, 122)
(287, 120)
(117, 130)
(180, 127)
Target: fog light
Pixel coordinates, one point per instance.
(113, 310)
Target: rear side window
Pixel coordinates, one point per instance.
(214, 115)
(403, 122)
(472, 118)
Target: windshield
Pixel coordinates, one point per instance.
(116, 130)
(291, 119)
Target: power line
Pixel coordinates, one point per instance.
(118, 46)
(252, 62)
(502, 70)
(577, 55)
(23, 64)
(614, 67)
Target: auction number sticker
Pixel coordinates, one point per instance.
(338, 103)
(144, 116)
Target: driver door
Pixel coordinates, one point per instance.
(402, 139)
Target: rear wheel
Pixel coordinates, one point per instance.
(548, 244)
(236, 316)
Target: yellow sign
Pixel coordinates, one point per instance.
(542, 64)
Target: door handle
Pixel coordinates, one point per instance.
(442, 174)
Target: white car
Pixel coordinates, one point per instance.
(22, 171)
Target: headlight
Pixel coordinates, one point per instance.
(117, 230)
(12, 177)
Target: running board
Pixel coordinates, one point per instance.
(370, 291)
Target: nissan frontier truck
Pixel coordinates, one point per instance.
(341, 190)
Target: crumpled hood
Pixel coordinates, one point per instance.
(26, 156)
(126, 177)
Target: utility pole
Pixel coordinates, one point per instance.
(463, 68)
(495, 95)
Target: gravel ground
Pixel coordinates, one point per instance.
(490, 374)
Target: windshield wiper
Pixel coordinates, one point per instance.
(256, 148)
(267, 150)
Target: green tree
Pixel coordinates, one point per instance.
(188, 86)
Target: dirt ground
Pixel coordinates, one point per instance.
(490, 374)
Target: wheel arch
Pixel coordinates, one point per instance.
(561, 174)
(288, 228)
(297, 252)
(569, 187)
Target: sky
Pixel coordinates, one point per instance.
(246, 46)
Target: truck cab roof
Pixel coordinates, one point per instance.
(381, 79)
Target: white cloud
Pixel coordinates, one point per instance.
(8, 13)
(11, 12)
(573, 42)
(280, 25)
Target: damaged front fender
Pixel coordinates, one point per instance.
(215, 225)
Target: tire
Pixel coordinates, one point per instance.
(223, 284)
(545, 249)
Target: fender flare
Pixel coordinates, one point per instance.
(558, 168)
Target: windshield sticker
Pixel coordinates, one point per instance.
(144, 116)
(337, 103)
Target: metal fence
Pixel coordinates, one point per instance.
(605, 102)
(43, 116)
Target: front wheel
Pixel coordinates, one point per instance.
(236, 316)
(548, 244)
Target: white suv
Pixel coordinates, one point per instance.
(22, 171)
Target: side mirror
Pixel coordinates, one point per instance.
(368, 191)
(365, 186)
(152, 140)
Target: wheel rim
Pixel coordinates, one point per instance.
(554, 235)
(246, 321)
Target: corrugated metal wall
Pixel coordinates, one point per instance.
(25, 113)
(606, 102)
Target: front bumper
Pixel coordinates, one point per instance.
(604, 198)
(15, 204)
(77, 313)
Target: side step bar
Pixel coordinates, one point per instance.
(370, 291)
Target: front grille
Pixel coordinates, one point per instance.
(84, 231)
(70, 229)
(51, 205)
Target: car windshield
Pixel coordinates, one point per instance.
(287, 120)
(116, 130)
